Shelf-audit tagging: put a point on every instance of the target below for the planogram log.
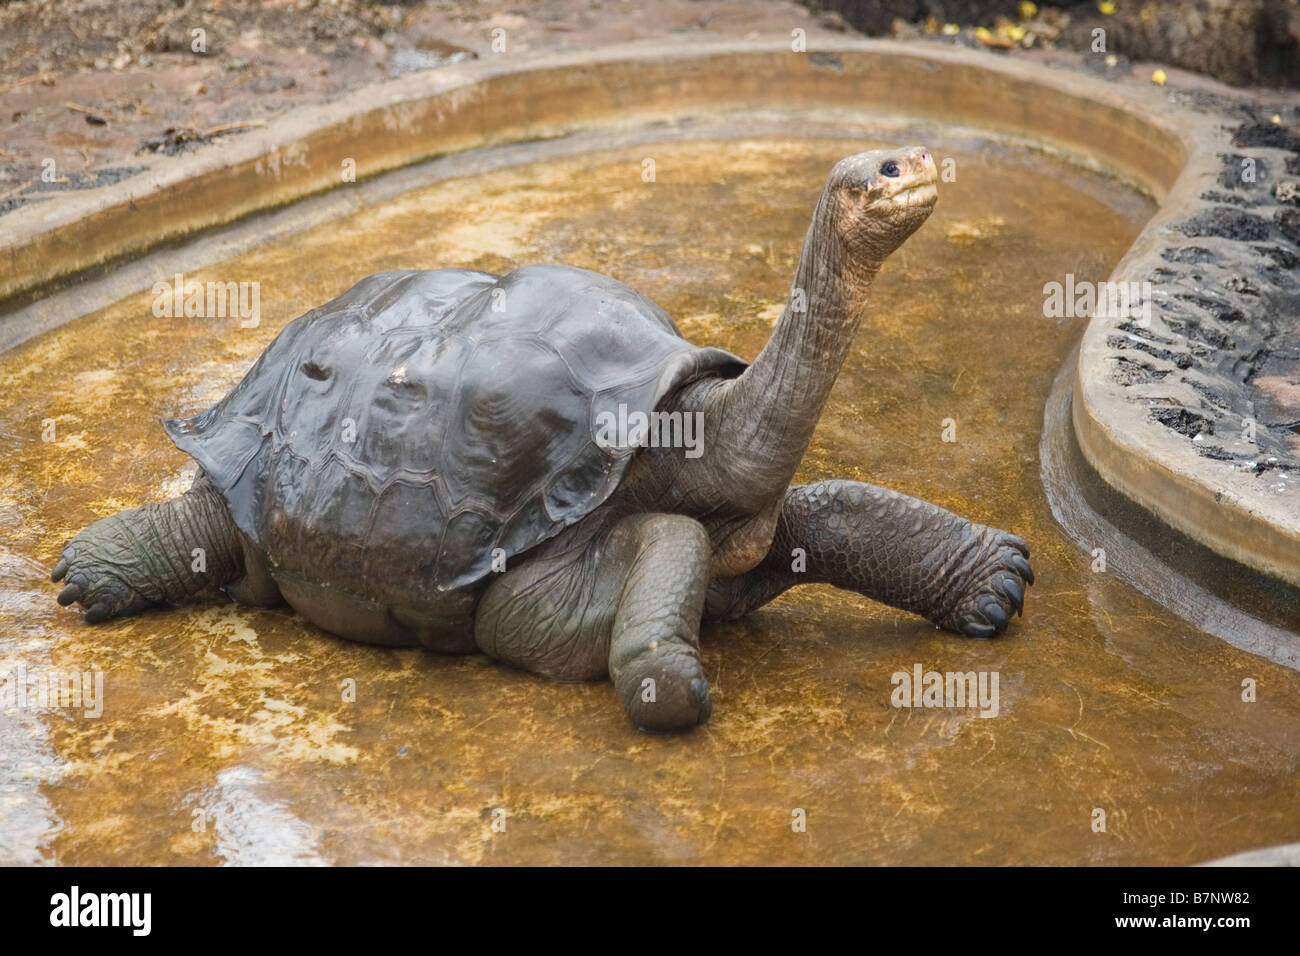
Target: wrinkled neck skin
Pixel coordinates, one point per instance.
(764, 419)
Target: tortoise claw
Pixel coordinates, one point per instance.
(1016, 542)
(69, 594)
(974, 628)
(60, 570)
(1022, 568)
(1010, 589)
(98, 613)
(994, 614)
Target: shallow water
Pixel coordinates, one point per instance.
(226, 735)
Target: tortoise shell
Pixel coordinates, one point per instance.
(388, 441)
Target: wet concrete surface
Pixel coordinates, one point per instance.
(227, 734)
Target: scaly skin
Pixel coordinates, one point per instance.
(895, 549)
(621, 600)
(144, 557)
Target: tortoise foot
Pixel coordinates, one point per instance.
(995, 589)
(98, 566)
(682, 700)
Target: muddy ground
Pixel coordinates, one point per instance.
(90, 83)
(87, 85)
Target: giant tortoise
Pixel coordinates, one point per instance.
(540, 467)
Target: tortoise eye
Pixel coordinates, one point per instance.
(890, 169)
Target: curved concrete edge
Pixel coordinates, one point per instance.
(1148, 464)
(1286, 854)
(1223, 504)
(517, 98)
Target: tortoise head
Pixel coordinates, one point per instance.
(877, 199)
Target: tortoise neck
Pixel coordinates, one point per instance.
(775, 404)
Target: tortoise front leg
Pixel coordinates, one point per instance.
(627, 606)
(143, 557)
(893, 548)
(654, 648)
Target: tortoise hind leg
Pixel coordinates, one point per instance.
(890, 547)
(254, 585)
(160, 554)
(628, 608)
